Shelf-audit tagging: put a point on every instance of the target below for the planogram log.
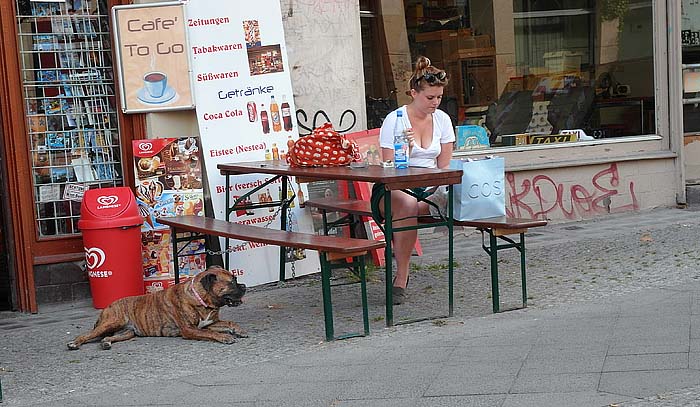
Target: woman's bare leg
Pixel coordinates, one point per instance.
(403, 206)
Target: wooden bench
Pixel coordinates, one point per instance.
(498, 228)
(329, 247)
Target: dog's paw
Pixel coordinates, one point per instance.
(73, 346)
(227, 339)
(106, 345)
(240, 333)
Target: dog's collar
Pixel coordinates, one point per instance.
(197, 296)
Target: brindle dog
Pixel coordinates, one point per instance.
(189, 309)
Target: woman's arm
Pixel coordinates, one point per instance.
(443, 159)
(447, 138)
(387, 154)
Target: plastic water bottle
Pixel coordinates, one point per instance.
(400, 142)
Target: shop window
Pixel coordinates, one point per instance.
(545, 71)
(68, 89)
(690, 43)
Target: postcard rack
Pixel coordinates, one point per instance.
(68, 88)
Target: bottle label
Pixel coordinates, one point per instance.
(252, 112)
(401, 155)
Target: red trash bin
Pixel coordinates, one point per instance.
(111, 227)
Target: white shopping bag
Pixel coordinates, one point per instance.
(482, 191)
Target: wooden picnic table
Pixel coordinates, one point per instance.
(394, 179)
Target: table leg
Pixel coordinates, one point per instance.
(363, 288)
(283, 226)
(494, 270)
(450, 256)
(327, 303)
(388, 233)
(227, 210)
(324, 216)
(523, 276)
(176, 263)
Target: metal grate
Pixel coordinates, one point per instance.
(68, 88)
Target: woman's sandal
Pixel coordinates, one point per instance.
(398, 294)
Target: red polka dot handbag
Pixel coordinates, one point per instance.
(324, 147)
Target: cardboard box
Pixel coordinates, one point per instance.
(482, 41)
(474, 53)
(562, 61)
(443, 35)
(515, 139)
(478, 81)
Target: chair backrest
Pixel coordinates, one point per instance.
(571, 108)
(510, 114)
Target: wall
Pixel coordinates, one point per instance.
(585, 192)
(63, 282)
(325, 52)
(172, 124)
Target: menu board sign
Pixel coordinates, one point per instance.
(245, 112)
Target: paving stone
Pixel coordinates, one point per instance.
(617, 297)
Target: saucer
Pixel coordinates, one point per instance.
(167, 96)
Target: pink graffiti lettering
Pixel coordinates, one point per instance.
(581, 201)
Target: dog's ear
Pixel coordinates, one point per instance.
(208, 281)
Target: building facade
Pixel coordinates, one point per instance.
(584, 99)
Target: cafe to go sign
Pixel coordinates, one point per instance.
(153, 57)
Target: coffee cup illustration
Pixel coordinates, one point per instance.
(155, 83)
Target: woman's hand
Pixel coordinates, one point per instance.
(410, 137)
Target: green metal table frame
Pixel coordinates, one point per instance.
(389, 231)
(326, 266)
(492, 250)
(393, 179)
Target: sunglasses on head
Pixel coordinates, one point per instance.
(433, 77)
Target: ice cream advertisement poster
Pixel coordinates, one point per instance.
(245, 111)
(153, 57)
(168, 183)
(168, 178)
(156, 248)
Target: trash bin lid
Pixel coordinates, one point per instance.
(108, 208)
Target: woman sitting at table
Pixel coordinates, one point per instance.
(430, 135)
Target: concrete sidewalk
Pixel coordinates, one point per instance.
(613, 319)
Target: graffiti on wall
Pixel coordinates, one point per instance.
(604, 194)
(320, 117)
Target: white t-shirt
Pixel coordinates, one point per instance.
(443, 132)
